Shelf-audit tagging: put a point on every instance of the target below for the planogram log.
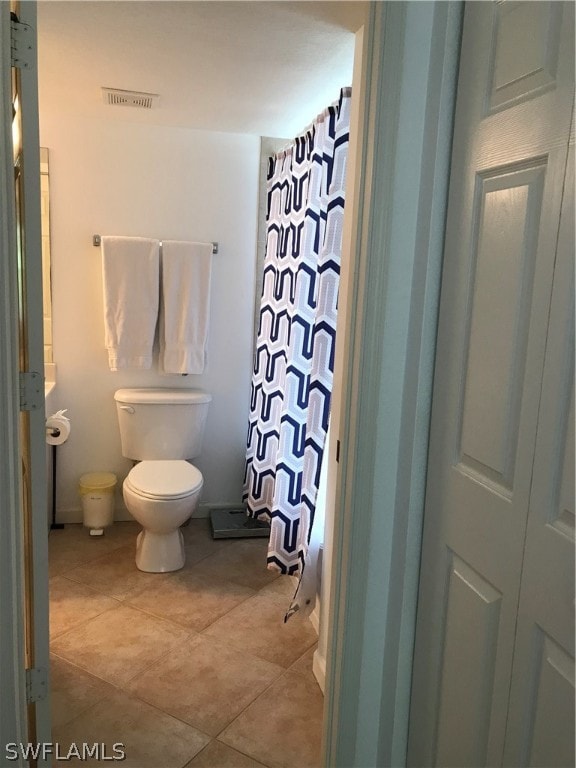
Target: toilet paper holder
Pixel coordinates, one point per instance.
(57, 428)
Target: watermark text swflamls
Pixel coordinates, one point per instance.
(42, 750)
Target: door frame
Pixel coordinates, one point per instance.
(23, 545)
(13, 717)
(390, 286)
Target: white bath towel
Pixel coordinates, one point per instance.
(186, 269)
(131, 281)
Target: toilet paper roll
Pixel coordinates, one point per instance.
(57, 428)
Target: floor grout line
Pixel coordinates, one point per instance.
(81, 622)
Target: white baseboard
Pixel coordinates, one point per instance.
(201, 511)
(72, 516)
(318, 661)
(121, 514)
(314, 617)
(319, 669)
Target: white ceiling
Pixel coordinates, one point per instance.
(246, 67)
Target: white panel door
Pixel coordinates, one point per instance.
(513, 112)
(541, 709)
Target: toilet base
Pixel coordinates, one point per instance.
(160, 552)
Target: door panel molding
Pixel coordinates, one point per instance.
(553, 699)
(517, 78)
(468, 592)
(506, 219)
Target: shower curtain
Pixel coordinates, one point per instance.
(294, 358)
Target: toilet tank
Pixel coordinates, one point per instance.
(161, 423)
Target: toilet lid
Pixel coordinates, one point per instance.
(168, 479)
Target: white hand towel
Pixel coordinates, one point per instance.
(131, 276)
(186, 271)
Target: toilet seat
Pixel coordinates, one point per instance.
(164, 479)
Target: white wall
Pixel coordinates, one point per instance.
(150, 181)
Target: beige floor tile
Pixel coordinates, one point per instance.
(73, 691)
(204, 680)
(205, 683)
(119, 643)
(151, 738)
(71, 604)
(218, 755)
(116, 574)
(73, 546)
(283, 589)
(257, 626)
(190, 599)
(243, 561)
(283, 727)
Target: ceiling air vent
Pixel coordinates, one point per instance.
(121, 98)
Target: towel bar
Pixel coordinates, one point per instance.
(96, 241)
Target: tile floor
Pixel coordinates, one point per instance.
(190, 669)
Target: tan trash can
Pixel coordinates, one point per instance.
(97, 492)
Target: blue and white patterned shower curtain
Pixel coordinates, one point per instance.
(294, 360)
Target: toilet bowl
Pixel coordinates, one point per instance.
(161, 495)
(162, 429)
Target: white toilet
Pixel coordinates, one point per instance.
(161, 429)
